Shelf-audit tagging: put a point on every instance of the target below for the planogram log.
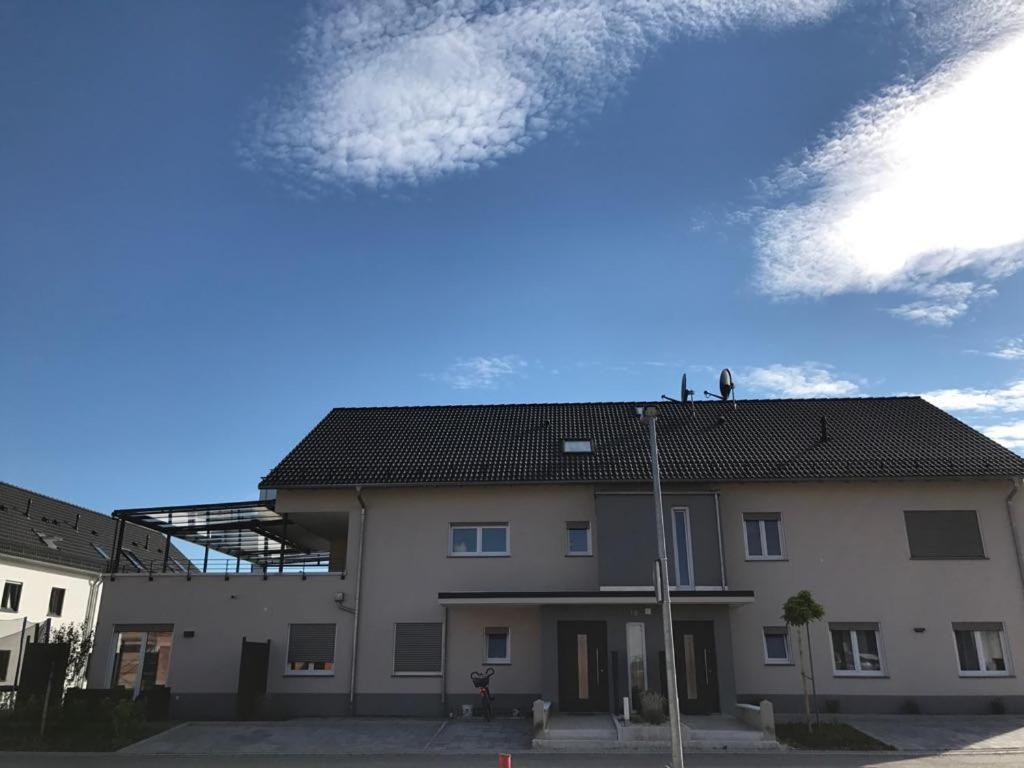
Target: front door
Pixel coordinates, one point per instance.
(696, 668)
(582, 666)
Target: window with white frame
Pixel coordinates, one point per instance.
(12, 596)
(478, 540)
(310, 649)
(497, 648)
(856, 649)
(577, 539)
(142, 656)
(776, 646)
(763, 536)
(981, 649)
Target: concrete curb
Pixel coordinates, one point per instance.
(129, 749)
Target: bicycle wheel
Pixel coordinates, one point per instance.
(485, 705)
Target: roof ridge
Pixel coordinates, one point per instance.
(52, 498)
(574, 403)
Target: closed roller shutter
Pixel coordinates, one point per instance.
(311, 643)
(418, 648)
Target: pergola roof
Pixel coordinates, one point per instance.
(248, 530)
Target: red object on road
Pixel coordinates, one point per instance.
(504, 761)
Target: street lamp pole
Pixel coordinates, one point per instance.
(650, 417)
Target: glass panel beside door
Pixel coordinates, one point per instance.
(141, 659)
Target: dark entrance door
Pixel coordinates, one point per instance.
(696, 667)
(252, 677)
(582, 666)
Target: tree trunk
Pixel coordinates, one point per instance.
(803, 680)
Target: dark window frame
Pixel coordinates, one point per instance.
(16, 589)
(55, 592)
(928, 548)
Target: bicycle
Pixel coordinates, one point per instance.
(483, 682)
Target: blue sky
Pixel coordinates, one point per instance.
(218, 220)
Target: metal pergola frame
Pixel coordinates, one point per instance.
(245, 530)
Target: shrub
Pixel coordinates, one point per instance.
(127, 719)
(652, 707)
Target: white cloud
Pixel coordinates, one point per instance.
(807, 380)
(944, 302)
(1011, 350)
(404, 91)
(1011, 435)
(1007, 400)
(481, 372)
(920, 183)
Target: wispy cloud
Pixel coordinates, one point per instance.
(805, 380)
(481, 372)
(1009, 399)
(918, 184)
(1011, 350)
(405, 91)
(1011, 435)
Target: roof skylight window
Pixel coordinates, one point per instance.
(577, 446)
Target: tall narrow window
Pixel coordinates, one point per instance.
(56, 602)
(577, 537)
(981, 649)
(681, 536)
(582, 668)
(12, 596)
(763, 536)
(5, 664)
(636, 657)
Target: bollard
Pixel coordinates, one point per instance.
(504, 760)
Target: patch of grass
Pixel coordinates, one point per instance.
(19, 738)
(833, 736)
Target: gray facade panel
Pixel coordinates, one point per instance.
(628, 546)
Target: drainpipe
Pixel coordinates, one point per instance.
(355, 607)
(1013, 529)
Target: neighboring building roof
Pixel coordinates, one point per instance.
(883, 437)
(54, 521)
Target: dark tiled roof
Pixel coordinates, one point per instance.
(54, 519)
(886, 437)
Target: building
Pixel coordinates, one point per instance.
(51, 556)
(399, 549)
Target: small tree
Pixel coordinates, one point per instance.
(79, 641)
(799, 611)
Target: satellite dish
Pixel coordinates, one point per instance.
(686, 392)
(725, 383)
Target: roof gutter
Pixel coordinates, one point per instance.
(358, 590)
(1014, 490)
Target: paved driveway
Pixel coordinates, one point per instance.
(351, 736)
(943, 733)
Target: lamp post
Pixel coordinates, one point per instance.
(649, 416)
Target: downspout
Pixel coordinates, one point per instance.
(355, 607)
(1013, 529)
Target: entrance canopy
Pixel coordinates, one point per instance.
(246, 530)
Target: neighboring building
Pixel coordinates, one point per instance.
(522, 537)
(51, 556)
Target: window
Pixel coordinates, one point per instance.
(5, 663)
(945, 534)
(310, 649)
(12, 596)
(418, 648)
(142, 656)
(56, 602)
(496, 646)
(133, 559)
(763, 536)
(636, 657)
(776, 646)
(681, 537)
(856, 649)
(577, 539)
(49, 540)
(478, 540)
(101, 551)
(980, 649)
(577, 446)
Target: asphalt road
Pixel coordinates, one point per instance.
(604, 760)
